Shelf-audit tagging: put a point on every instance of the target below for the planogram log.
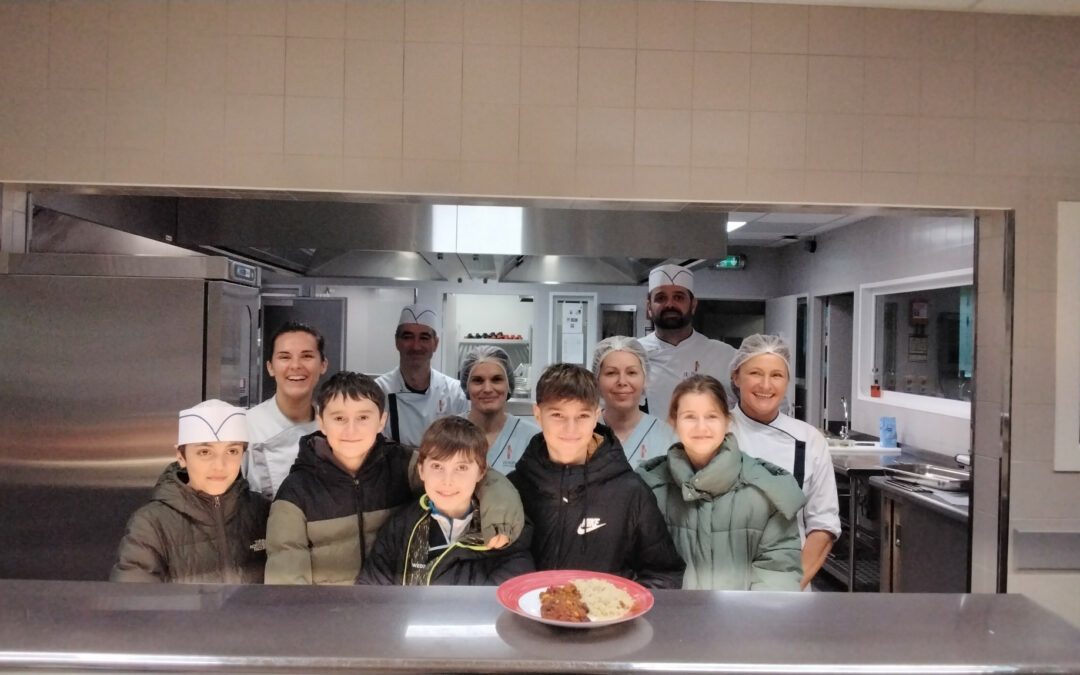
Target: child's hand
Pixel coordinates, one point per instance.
(499, 541)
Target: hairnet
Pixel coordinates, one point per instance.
(619, 343)
(485, 354)
(758, 344)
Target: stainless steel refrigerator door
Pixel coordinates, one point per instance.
(232, 333)
(95, 371)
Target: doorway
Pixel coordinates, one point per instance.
(837, 312)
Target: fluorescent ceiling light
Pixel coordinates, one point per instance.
(495, 230)
(733, 225)
(490, 229)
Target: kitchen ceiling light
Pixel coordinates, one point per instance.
(735, 224)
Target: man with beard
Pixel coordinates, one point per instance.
(416, 393)
(675, 350)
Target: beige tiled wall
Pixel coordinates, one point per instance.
(590, 98)
(605, 98)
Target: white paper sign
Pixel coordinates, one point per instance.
(572, 313)
(573, 348)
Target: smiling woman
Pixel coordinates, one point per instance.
(485, 377)
(760, 372)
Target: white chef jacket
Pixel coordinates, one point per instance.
(511, 443)
(273, 443)
(671, 364)
(410, 414)
(651, 438)
(775, 443)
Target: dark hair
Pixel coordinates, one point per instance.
(297, 327)
(567, 382)
(352, 385)
(699, 384)
(448, 436)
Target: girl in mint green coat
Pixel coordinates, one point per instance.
(732, 516)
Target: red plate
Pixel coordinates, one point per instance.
(521, 595)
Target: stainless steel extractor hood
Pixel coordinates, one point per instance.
(415, 240)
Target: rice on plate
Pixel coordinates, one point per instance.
(604, 600)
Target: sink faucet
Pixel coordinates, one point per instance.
(845, 430)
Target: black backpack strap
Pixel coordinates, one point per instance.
(395, 433)
(799, 469)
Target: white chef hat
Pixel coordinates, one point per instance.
(671, 275)
(212, 421)
(421, 314)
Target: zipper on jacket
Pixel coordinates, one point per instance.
(223, 553)
(359, 499)
(564, 505)
(408, 549)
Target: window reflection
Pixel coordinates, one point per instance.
(924, 342)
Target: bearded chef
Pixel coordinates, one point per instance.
(416, 394)
(760, 373)
(675, 350)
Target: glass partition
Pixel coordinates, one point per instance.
(915, 340)
(924, 342)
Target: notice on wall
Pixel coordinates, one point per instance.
(572, 313)
(573, 348)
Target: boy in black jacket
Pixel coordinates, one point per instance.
(589, 509)
(344, 485)
(437, 539)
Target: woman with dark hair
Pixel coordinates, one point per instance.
(732, 516)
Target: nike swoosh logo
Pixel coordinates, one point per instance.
(591, 527)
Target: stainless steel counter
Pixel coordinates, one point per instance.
(846, 462)
(955, 505)
(83, 626)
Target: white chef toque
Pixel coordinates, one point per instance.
(671, 275)
(212, 421)
(421, 314)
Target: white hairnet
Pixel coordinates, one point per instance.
(486, 354)
(758, 344)
(619, 343)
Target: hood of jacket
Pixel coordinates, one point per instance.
(727, 471)
(173, 491)
(571, 480)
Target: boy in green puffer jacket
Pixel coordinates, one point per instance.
(202, 525)
(436, 540)
(732, 516)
